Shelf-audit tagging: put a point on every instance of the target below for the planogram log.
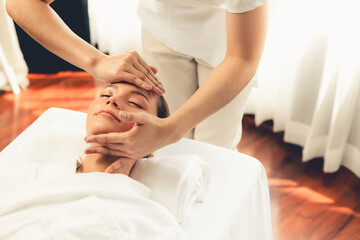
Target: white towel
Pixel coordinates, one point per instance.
(83, 206)
(176, 182)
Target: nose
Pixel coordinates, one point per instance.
(112, 101)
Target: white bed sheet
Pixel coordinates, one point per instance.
(237, 205)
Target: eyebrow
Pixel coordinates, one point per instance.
(133, 91)
(139, 93)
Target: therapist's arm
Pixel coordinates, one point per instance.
(42, 23)
(246, 34)
(245, 42)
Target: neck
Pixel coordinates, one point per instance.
(96, 163)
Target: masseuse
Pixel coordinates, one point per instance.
(207, 51)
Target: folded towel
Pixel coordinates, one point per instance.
(176, 182)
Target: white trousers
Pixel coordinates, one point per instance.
(181, 76)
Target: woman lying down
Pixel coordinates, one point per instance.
(76, 199)
(103, 118)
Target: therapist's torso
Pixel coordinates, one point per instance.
(192, 27)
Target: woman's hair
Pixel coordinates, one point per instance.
(162, 108)
(162, 112)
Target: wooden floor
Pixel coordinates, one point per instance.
(305, 202)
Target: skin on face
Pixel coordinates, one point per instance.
(103, 113)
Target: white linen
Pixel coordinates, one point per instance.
(309, 80)
(83, 206)
(196, 28)
(237, 204)
(36, 169)
(176, 182)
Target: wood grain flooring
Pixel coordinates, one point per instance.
(305, 202)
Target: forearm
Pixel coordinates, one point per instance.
(42, 23)
(245, 33)
(222, 85)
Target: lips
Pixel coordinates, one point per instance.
(109, 114)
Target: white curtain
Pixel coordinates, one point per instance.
(13, 68)
(309, 79)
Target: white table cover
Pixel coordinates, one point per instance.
(237, 205)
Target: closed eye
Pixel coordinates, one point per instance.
(137, 105)
(105, 95)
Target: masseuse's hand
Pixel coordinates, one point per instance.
(129, 67)
(149, 134)
(122, 166)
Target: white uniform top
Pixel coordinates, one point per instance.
(192, 27)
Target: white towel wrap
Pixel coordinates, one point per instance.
(176, 182)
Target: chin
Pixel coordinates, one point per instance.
(99, 130)
(103, 127)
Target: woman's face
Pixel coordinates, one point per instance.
(103, 113)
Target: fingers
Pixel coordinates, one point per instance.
(139, 72)
(142, 66)
(119, 138)
(123, 166)
(132, 78)
(150, 71)
(106, 150)
(135, 117)
(154, 69)
(124, 163)
(108, 138)
(129, 67)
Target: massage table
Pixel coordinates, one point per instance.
(237, 205)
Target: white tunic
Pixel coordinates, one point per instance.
(192, 27)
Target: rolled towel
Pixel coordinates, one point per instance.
(176, 182)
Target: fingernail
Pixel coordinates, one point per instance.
(148, 86)
(87, 151)
(123, 115)
(159, 91)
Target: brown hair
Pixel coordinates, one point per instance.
(162, 108)
(162, 112)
